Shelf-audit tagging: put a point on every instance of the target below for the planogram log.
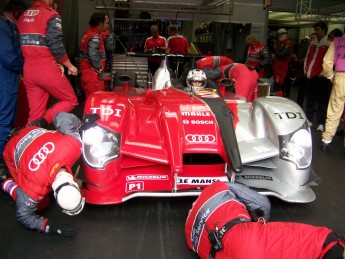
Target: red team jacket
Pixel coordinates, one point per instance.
(33, 43)
(314, 57)
(85, 62)
(152, 42)
(178, 44)
(35, 155)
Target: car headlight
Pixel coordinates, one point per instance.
(100, 146)
(297, 148)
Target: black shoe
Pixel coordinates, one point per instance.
(40, 123)
(324, 148)
(4, 172)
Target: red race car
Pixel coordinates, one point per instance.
(168, 141)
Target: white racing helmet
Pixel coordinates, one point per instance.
(196, 79)
(67, 193)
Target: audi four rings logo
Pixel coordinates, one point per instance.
(196, 138)
(31, 12)
(40, 156)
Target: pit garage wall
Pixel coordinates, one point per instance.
(245, 11)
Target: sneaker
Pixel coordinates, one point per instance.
(321, 128)
(310, 124)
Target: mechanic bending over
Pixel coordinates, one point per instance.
(228, 220)
(245, 80)
(93, 48)
(44, 54)
(40, 161)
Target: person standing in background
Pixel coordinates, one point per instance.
(258, 56)
(301, 53)
(334, 70)
(44, 55)
(154, 44)
(93, 54)
(11, 67)
(318, 88)
(282, 52)
(178, 45)
(334, 33)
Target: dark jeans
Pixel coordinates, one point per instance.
(152, 66)
(301, 91)
(318, 90)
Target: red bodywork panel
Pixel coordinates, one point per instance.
(168, 141)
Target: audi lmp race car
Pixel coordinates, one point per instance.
(167, 142)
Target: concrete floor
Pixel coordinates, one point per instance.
(154, 227)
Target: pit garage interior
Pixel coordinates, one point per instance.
(154, 227)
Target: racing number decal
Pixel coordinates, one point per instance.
(134, 186)
(289, 115)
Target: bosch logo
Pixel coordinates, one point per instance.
(40, 156)
(31, 12)
(196, 138)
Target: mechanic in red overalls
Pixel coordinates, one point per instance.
(258, 56)
(213, 62)
(93, 54)
(282, 52)
(43, 51)
(245, 80)
(224, 223)
(154, 44)
(40, 161)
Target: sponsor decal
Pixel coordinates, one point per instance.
(107, 111)
(199, 114)
(255, 177)
(53, 169)
(134, 186)
(289, 115)
(205, 211)
(200, 138)
(202, 122)
(41, 156)
(31, 12)
(207, 94)
(25, 142)
(200, 180)
(155, 177)
(198, 122)
(28, 19)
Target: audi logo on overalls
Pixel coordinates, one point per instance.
(31, 12)
(199, 138)
(40, 156)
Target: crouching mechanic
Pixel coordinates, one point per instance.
(224, 222)
(40, 161)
